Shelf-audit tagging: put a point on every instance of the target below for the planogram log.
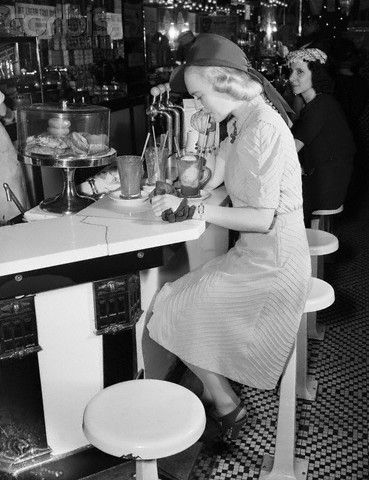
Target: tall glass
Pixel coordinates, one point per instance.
(130, 173)
(156, 163)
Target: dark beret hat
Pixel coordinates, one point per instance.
(213, 50)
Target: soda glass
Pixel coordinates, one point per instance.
(156, 163)
(130, 173)
(192, 174)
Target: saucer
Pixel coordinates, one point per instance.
(147, 189)
(204, 194)
(132, 202)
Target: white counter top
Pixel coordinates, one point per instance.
(105, 228)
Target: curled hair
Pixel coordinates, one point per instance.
(235, 83)
(320, 78)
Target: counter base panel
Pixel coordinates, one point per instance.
(23, 434)
(60, 276)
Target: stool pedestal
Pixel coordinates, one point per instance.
(307, 385)
(146, 470)
(322, 218)
(284, 465)
(320, 243)
(315, 331)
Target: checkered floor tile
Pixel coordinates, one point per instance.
(332, 432)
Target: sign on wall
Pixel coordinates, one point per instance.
(114, 25)
(7, 15)
(35, 20)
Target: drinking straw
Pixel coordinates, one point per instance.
(163, 145)
(162, 136)
(178, 152)
(144, 148)
(205, 138)
(155, 146)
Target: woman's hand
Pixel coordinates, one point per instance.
(160, 203)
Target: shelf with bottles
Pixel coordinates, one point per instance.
(20, 67)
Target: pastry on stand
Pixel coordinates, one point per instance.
(67, 137)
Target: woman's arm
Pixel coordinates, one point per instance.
(241, 219)
(217, 177)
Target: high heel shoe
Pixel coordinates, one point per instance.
(229, 425)
(205, 400)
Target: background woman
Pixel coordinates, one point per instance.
(236, 317)
(322, 135)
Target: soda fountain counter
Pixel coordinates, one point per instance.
(75, 295)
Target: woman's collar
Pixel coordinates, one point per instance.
(247, 107)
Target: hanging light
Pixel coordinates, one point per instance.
(346, 5)
(172, 33)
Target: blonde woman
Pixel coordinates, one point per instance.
(236, 317)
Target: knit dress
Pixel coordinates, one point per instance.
(238, 314)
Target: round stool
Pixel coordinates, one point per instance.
(284, 465)
(320, 243)
(322, 218)
(144, 420)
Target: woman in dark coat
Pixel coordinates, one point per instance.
(322, 135)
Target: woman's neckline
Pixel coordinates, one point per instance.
(246, 109)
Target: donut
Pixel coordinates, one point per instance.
(41, 150)
(57, 122)
(48, 141)
(58, 132)
(97, 148)
(78, 143)
(87, 136)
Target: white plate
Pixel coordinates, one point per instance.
(133, 202)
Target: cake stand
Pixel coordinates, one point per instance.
(69, 201)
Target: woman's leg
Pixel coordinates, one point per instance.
(218, 390)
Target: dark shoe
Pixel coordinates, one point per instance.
(229, 425)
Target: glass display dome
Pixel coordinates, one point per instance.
(65, 132)
(66, 136)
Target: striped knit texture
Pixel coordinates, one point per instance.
(238, 314)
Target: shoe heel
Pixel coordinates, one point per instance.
(230, 428)
(236, 430)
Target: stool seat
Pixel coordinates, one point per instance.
(321, 242)
(148, 419)
(329, 212)
(321, 295)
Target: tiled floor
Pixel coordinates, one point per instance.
(333, 430)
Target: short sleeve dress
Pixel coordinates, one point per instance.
(239, 313)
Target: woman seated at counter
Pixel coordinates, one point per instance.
(236, 317)
(322, 135)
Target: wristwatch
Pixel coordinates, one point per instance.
(200, 210)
